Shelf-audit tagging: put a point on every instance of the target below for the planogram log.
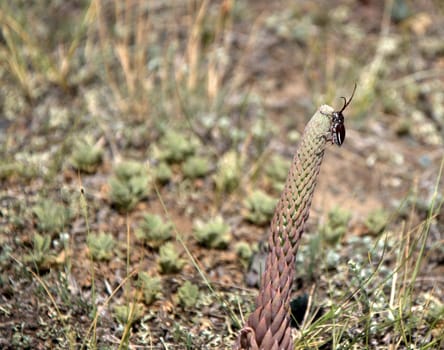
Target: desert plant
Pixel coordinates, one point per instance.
(40, 255)
(169, 260)
(163, 173)
(214, 233)
(153, 231)
(188, 294)
(260, 207)
(128, 314)
(196, 166)
(376, 221)
(244, 250)
(336, 225)
(101, 246)
(175, 146)
(268, 327)
(277, 168)
(228, 172)
(151, 287)
(129, 184)
(86, 156)
(51, 216)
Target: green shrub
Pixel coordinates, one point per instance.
(101, 246)
(228, 174)
(151, 287)
(169, 260)
(260, 207)
(129, 185)
(153, 231)
(376, 221)
(188, 294)
(51, 216)
(131, 313)
(40, 255)
(277, 170)
(163, 173)
(244, 251)
(214, 233)
(336, 226)
(196, 166)
(175, 146)
(86, 156)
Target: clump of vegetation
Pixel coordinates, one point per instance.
(151, 287)
(129, 184)
(336, 225)
(11, 169)
(214, 233)
(244, 252)
(175, 146)
(101, 246)
(188, 295)
(86, 155)
(40, 255)
(376, 221)
(228, 173)
(277, 170)
(153, 231)
(260, 207)
(196, 166)
(128, 314)
(163, 173)
(169, 260)
(51, 216)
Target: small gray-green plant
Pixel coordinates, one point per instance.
(175, 146)
(169, 260)
(153, 231)
(51, 216)
(376, 221)
(131, 313)
(86, 155)
(129, 184)
(10, 169)
(101, 246)
(244, 252)
(40, 255)
(228, 174)
(336, 225)
(277, 170)
(188, 295)
(214, 233)
(260, 207)
(196, 166)
(151, 287)
(129, 169)
(163, 173)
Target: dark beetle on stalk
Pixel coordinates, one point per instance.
(337, 131)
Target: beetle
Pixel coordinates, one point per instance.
(337, 130)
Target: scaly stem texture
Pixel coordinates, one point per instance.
(268, 327)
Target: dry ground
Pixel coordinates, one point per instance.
(125, 73)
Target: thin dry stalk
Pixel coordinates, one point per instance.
(194, 46)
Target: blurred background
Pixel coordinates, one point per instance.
(144, 144)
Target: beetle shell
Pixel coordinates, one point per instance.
(338, 128)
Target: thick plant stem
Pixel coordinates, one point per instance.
(268, 327)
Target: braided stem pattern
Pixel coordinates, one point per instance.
(268, 327)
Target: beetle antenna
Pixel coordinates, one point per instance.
(345, 100)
